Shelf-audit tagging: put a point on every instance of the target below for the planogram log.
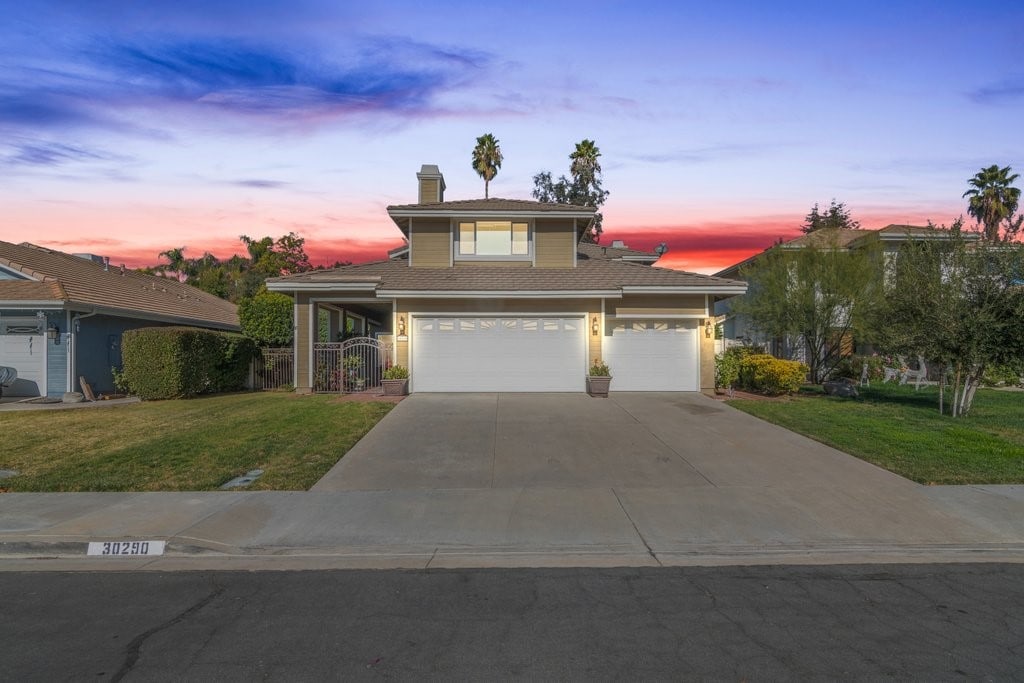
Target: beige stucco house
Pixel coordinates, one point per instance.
(500, 295)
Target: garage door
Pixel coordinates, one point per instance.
(26, 353)
(653, 355)
(498, 354)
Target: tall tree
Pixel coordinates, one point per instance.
(836, 216)
(994, 200)
(817, 296)
(960, 304)
(583, 189)
(487, 160)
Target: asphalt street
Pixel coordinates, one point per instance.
(909, 622)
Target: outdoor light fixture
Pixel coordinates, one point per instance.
(401, 326)
(708, 330)
(53, 334)
(594, 326)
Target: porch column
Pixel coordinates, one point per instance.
(305, 335)
(334, 324)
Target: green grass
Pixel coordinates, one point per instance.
(901, 430)
(188, 445)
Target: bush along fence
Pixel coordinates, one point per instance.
(177, 362)
(746, 368)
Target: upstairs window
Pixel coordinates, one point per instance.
(494, 238)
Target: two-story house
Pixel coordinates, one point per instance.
(500, 295)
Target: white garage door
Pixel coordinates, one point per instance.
(26, 353)
(653, 355)
(498, 354)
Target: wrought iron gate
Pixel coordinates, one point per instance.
(350, 366)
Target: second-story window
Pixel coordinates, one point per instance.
(494, 238)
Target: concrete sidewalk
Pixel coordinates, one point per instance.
(513, 527)
(543, 480)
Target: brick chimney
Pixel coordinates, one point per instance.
(431, 184)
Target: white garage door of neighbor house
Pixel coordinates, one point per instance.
(653, 355)
(26, 353)
(498, 354)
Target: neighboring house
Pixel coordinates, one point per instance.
(499, 295)
(62, 316)
(736, 329)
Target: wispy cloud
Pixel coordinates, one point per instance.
(51, 154)
(104, 79)
(1007, 90)
(260, 183)
(699, 155)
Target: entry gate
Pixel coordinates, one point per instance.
(350, 366)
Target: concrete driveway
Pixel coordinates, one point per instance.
(633, 440)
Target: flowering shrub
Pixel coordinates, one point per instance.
(769, 375)
(599, 369)
(727, 366)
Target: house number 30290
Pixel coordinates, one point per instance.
(125, 548)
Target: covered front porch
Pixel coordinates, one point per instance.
(342, 344)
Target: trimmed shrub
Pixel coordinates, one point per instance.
(267, 318)
(177, 362)
(770, 375)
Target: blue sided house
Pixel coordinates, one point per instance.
(62, 316)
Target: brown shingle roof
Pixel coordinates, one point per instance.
(83, 281)
(495, 204)
(590, 274)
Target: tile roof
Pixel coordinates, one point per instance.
(31, 290)
(495, 204)
(604, 251)
(597, 274)
(83, 281)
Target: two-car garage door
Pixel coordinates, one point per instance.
(498, 354)
(549, 354)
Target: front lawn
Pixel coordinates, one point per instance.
(189, 445)
(901, 430)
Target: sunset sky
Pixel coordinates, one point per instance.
(127, 128)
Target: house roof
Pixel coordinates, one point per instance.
(493, 204)
(595, 275)
(591, 250)
(845, 238)
(73, 280)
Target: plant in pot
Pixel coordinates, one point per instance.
(599, 379)
(396, 381)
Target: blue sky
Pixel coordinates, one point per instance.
(127, 128)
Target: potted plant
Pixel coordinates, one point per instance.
(396, 381)
(598, 379)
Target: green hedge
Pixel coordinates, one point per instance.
(176, 362)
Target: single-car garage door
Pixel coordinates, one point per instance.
(652, 355)
(26, 353)
(498, 354)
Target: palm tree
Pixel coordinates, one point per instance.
(992, 199)
(486, 159)
(584, 165)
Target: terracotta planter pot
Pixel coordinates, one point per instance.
(598, 386)
(395, 387)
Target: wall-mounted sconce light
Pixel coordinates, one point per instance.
(53, 333)
(708, 329)
(401, 326)
(595, 326)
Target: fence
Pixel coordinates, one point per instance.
(273, 369)
(350, 366)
